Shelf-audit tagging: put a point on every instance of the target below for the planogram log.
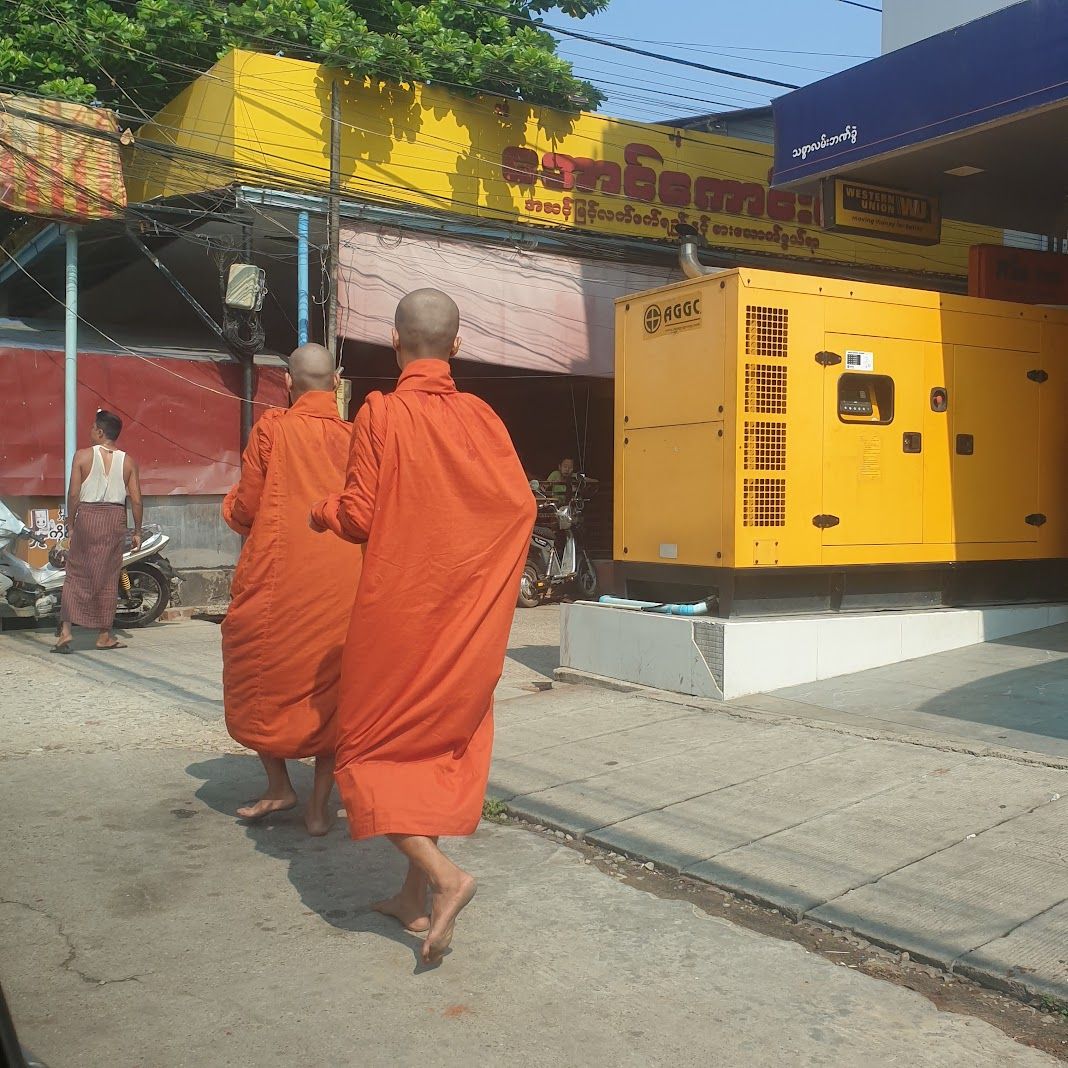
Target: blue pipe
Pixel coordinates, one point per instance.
(30, 251)
(699, 609)
(302, 278)
(70, 358)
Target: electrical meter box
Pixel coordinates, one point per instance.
(793, 443)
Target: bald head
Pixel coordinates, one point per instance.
(311, 367)
(425, 327)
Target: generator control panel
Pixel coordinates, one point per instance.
(866, 399)
(854, 399)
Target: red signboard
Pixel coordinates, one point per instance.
(1017, 274)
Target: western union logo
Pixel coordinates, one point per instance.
(853, 208)
(887, 203)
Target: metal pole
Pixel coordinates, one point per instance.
(302, 278)
(334, 221)
(70, 359)
(248, 384)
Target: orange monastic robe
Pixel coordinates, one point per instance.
(293, 589)
(436, 491)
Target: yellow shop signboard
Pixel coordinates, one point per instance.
(263, 120)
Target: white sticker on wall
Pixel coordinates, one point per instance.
(669, 552)
(856, 360)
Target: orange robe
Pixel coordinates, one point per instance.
(436, 491)
(293, 589)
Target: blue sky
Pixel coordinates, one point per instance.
(795, 41)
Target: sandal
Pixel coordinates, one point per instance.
(113, 645)
(62, 647)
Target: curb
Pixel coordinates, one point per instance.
(1019, 986)
(183, 614)
(572, 677)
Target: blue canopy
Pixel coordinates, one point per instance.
(977, 115)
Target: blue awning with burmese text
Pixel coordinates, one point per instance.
(969, 101)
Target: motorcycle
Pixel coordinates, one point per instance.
(147, 582)
(556, 562)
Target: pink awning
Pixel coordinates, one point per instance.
(535, 310)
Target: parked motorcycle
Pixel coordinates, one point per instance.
(556, 562)
(147, 582)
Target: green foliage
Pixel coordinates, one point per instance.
(145, 51)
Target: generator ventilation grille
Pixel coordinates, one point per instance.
(766, 331)
(765, 446)
(765, 389)
(764, 502)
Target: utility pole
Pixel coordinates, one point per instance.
(334, 220)
(70, 359)
(302, 278)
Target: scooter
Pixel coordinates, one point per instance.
(556, 562)
(147, 582)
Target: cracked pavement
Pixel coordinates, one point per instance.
(141, 924)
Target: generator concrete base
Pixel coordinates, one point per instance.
(728, 658)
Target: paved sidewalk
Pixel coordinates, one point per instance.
(932, 842)
(140, 924)
(1010, 693)
(920, 845)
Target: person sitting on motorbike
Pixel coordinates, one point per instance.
(561, 482)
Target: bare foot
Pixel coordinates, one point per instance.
(411, 914)
(445, 906)
(266, 806)
(318, 822)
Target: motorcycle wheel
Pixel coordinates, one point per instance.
(529, 596)
(149, 596)
(587, 581)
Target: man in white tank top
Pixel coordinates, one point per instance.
(101, 480)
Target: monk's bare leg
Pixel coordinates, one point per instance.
(451, 889)
(317, 814)
(409, 906)
(280, 795)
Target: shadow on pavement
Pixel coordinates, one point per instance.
(544, 659)
(1020, 683)
(336, 878)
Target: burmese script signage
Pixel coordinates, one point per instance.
(507, 162)
(647, 197)
(857, 208)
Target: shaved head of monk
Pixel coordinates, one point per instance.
(426, 327)
(311, 367)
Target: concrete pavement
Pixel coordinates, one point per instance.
(142, 925)
(1009, 694)
(959, 859)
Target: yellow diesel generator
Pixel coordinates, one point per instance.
(790, 443)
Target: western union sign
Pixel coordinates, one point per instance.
(855, 208)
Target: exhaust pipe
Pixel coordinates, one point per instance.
(691, 266)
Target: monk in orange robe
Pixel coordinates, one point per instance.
(436, 493)
(292, 592)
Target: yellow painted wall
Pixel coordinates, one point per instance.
(263, 120)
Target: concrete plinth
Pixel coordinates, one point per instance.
(728, 658)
